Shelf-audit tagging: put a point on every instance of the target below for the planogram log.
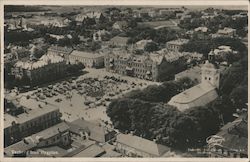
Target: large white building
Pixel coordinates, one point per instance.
(201, 94)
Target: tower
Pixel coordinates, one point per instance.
(210, 72)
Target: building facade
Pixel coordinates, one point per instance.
(60, 51)
(47, 68)
(55, 135)
(175, 45)
(89, 60)
(134, 146)
(29, 122)
(144, 67)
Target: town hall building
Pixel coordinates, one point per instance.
(203, 93)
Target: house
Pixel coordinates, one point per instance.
(134, 146)
(222, 52)
(82, 129)
(175, 45)
(140, 45)
(226, 32)
(118, 41)
(201, 32)
(55, 135)
(120, 25)
(90, 60)
(100, 35)
(231, 141)
(200, 94)
(91, 151)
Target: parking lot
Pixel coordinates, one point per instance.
(86, 96)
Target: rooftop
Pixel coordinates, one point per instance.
(97, 132)
(85, 54)
(50, 132)
(202, 29)
(43, 61)
(235, 136)
(91, 151)
(191, 94)
(29, 115)
(142, 144)
(119, 40)
(178, 41)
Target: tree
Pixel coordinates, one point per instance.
(151, 46)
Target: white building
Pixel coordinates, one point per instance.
(201, 94)
(90, 60)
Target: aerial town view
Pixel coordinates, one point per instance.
(125, 81)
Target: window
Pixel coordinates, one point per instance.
(205, 78)
(209, 78)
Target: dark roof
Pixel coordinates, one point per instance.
(91, 151)
(142, 144)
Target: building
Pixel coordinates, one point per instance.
(140, 45)
(100, 35)
(134, 146)
(90, 60)
(118, 41)
(55, 135)
(201, 32)
(193, 73)
(226, 32)
(175, 45)
(29, 122)
(201, 94)
(82, 130)
(47, 68)
(64, 52)
(120, 25)
(91, 151)
(231, 141)
(141, 66)
(222, 52)
(165, 12)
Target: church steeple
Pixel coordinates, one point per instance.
(210, 72)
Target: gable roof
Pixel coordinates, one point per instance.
(142, 144)
(193, 93)
(85, 54)
(50, 132)
(97, 132)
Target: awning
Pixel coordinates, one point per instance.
(148, 72)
